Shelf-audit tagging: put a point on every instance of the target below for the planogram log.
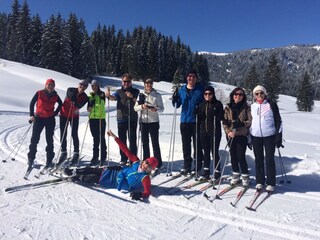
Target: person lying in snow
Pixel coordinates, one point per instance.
(133, 179)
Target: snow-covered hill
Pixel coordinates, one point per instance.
(73, 211)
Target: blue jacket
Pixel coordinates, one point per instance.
(189, 102)
(128, 178)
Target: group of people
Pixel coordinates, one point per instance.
(200, 125)
(201, 118)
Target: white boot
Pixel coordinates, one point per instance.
(235, 178)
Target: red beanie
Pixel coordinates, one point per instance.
(152, 161)
(50, 80)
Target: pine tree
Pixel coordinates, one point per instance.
(12, 52)
(55, 46)
(3, 34)
(23, 35)
(36, 32)
(305, 94)
(251, 81)
(272, 79)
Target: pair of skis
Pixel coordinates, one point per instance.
(255, 203)
(37, 184)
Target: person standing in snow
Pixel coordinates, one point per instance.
(189, 97)
(75, 99)
(210, 114)
(135, 178)
(149, 104)
(236, 124)
(127, 118)
(97, 123)
(43, 117)
(266, 134)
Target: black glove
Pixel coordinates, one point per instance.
(72, 94)
(237, 124)
(136, 195)
(74, 98)
(91, 103)
(102, 95)
(196, 110)
(279, 140)
(141, 99)
(175, 96)
(117, 168)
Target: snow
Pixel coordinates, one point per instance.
(74, 211)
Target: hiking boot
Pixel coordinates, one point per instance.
(259, 187)
(94, 161)
(235, 178)
(217, 175)
(63, 157)
(205, 175)
(184, 172)
(30, 162)
(270, 188)
(245, 180)
(75, 158)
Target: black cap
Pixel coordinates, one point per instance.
(192, 71)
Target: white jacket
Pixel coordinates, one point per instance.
(152, 99)
(262, 120)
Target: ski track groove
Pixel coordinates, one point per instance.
(238, 220)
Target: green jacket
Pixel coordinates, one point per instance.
(98, 108)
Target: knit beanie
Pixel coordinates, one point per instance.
(50, 81)
(259, 88)
(152, 161)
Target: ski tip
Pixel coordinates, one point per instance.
(250, 209)
(218, 197)
(4, 160)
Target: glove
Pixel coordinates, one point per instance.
(102, 95)
(74, 98)
(237, 124)
(175, 96)
(72, 94)
(91, 103)
(196, 110)
(142, 99)
(136, 195)
(279, 140)
(117, 168)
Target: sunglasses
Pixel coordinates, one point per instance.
(238, 94)
(208, 93)
(192, 76)
(259, 93)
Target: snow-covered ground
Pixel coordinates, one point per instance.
(72, 211)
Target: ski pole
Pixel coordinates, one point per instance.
(62, 138)
(197, 149)
(282, 165)
(224, 166)
(71, 126)
(84, 137)
(216, 167)
(108, 120)
(18, 145)
(173, 130)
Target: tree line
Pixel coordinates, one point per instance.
(66, 46)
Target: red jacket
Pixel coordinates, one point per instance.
(45, 104)
(80, 101)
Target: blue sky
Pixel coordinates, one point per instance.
(204, 25)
